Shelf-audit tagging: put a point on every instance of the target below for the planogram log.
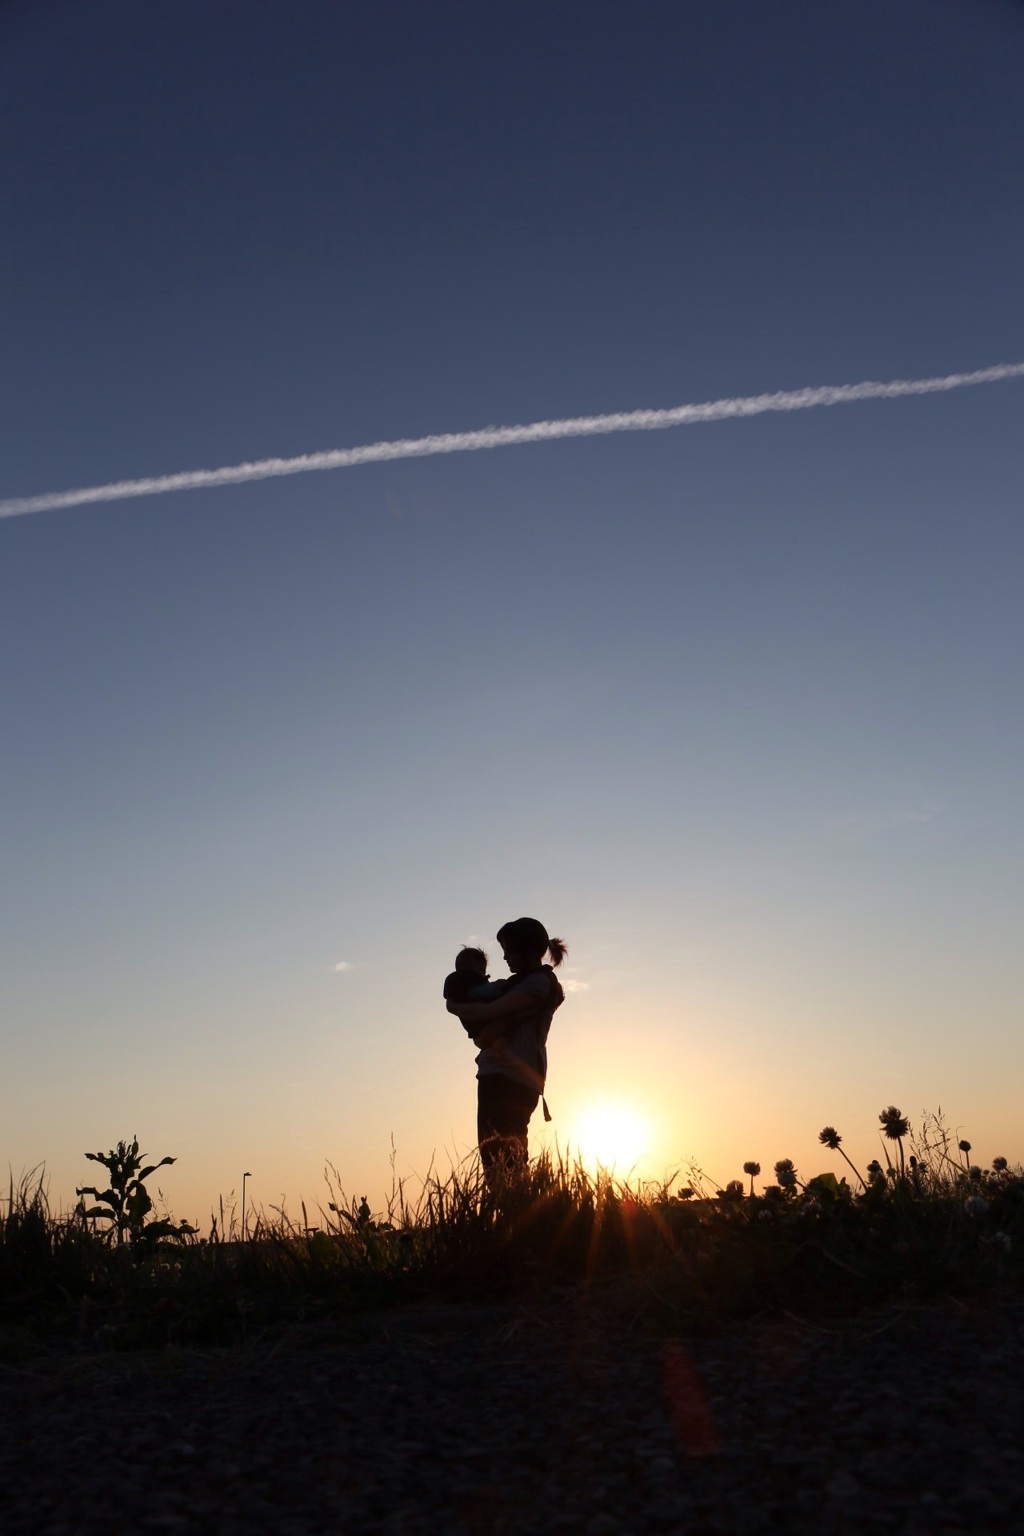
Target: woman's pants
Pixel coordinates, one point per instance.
(503, 1112)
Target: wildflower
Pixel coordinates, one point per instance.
(811, 1208)
(785, 1173)
(732, 1191)
(752, 1170)
(999, 1164)
(974, 1173)
(764, 1215)
(975, 1205)
(894, 1124)
(964, 1146)
(876, 1174)
(831, 1138)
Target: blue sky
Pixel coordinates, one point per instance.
(734, 708)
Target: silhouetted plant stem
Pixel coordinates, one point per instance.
(863, 1181)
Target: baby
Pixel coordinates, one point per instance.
(468, 983)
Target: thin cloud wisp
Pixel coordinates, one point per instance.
(505, 437)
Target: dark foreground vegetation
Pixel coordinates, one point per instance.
(927, 1224)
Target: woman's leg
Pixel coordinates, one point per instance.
(504, 1107)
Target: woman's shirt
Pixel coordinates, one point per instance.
(521, 1052)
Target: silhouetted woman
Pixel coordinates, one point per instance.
(512, 1034)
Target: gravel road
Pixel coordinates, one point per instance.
(478, 1421)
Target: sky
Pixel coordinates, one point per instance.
(734, 709)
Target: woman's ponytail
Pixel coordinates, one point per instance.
(557, 949)
(528, 936)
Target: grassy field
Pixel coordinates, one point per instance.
(924, 1223)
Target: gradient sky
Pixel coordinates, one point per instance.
(734, 709)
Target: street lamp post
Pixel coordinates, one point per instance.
(244, 1231)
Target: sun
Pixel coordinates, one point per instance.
(611, 1136)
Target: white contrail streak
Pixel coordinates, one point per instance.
(503, 437)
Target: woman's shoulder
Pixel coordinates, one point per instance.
(542, 983)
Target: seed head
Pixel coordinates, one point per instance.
(894, 1124)
(999, 1164)
(974, 1174)
(785, 1173)
(964, 1146)
(830, 1137)
(753, 1169)
(975, 1205)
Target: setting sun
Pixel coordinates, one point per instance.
(611, 1136)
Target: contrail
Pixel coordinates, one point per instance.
(504, 437)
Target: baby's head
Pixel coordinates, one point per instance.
(469, 959)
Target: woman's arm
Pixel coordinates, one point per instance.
(480, 1014)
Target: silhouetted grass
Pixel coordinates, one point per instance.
(918, 1228)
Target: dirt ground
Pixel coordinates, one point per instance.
(477, 1421)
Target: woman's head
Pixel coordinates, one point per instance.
(525, 942)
